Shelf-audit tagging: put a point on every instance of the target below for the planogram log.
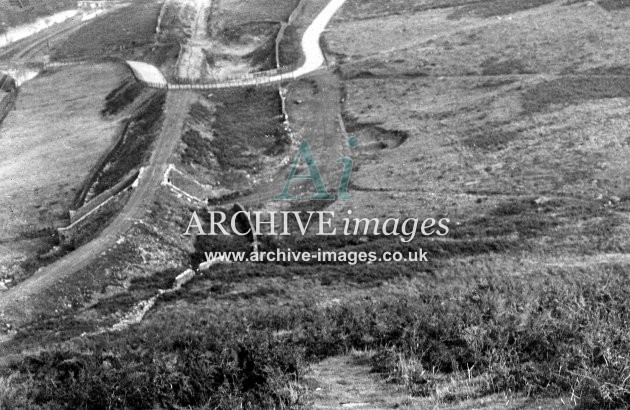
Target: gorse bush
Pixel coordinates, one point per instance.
(122, 96)
(560, 332)
(188, 363)
(551, 336)
(135, 148)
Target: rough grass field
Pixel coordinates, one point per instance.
(508, 118)
(135, 149)
(243, 35)
(128, 33)
(50, 142)
(234, 138)
(519, 140)
(13, 16)
(236, 13)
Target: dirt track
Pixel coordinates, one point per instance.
(18, 304)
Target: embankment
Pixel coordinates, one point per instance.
(8, 95)
(92, 222)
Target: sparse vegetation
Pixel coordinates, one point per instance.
(526, 296)
(573, 90)
(14, 15)
(556, 334)
(290, 50)
(612, 5)
(233, 14)
(121, 97)
(373, 8)
(198, 149)
(264, 56)
(57, 133)
(490, 138)
(136, 145)
(494, 66)
(126, 33)
(247, 123)
(494, 8)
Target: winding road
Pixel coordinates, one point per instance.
(313, 60)
(19, 304)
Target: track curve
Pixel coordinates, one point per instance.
(18, 305)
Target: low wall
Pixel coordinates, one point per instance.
(75, 215)
(79, 201)
(84, 228)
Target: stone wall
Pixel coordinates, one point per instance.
(75, 215)
(79, 232)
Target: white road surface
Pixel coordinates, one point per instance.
(310, 40)
(314, 58)
(147, 73)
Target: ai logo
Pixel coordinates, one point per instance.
(304, 152)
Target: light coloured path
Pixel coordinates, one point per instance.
(19, 304)
(313, 58)
(344, 382)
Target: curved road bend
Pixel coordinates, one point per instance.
(18, 304)
(313, 54)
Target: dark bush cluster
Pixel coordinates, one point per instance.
(135, 148)
(191, 362)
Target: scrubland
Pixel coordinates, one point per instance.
(50, 142)
(507, 117)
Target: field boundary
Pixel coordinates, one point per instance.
(74, 234)
(20, 303)
(313, 56)
(94, 203)
(96, 169)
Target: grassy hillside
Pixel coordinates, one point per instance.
(509, 118)
(12, 14)
(128, 32)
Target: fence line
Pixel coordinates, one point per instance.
(274, 76)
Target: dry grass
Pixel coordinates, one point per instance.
(612, 5)
(493, 8)
(233, 137)
(13, 16)
(515, 130)
(567, 39)
(128, 33)
(236, 13)
(243, 35)
(49, 143)
(534, 154)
